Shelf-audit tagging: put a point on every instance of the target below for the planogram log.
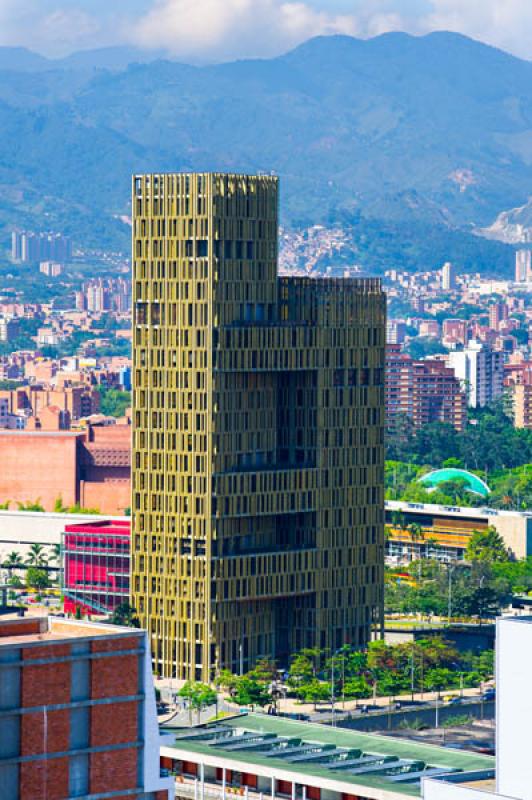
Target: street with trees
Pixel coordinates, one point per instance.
(198, 696)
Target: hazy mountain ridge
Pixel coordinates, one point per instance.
(427, 134)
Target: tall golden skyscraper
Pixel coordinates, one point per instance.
(258, 412)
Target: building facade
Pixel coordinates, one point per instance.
(424, 391)
(90, 468)
(77, 713)
(427, 530)
(523, 266)
(258, 402)
(27, 246)
(95, 566)
(448, 276)
(479, 369)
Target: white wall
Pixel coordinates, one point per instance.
(439, 790)
(20, 529)
(514, 706)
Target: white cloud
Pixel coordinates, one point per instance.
(214, 29)
(503, 23)
(210, 30)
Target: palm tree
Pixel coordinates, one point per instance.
(13, 561)
(416, 532)
(56, 553)
(36, 556)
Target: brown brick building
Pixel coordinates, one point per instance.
(90, 467)
(518, 385)
(425, 391)
(77, 713)
(73, 402)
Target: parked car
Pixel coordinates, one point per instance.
(455, 701)
(489, 694)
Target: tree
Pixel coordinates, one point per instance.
(487, 546)
(113, 402)
(125, 615)
(198, 696)
(417, 534)
(304, 666)
(264, 671)
(249, 692)
(226, 680)
(12, 561)
(357, 688)
(438, 679)
(56, 553)
(37, 556)
(314, 692)
(37, 578)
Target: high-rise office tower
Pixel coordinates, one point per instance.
(523, 266)
(258, 410)
(448, 276)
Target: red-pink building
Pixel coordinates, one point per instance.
(96, 566)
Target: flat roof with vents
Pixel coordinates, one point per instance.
(317, 755)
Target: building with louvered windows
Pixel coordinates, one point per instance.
(258, 434)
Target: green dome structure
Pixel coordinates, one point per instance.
(432, 480)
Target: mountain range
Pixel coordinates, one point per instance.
(414, 145)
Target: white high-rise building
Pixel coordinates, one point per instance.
(523, 266)
(480, 370)
(513, 768)
(448, 276)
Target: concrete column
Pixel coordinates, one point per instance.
(202, 772)
(293, 790)
(273, 788)
(223, 782)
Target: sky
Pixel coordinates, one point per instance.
(202, 31)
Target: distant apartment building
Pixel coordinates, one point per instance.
(395, 331)
(454, 331)
(104, 295)
(424, 391)
(30, 401)
(9, 329)
(498, 312)
(49, 337)
(518, 388)
(523, 266)
(429, 328)
(96, 565)
(29, 247)
(52, 269)
(448, 276)
(479, 369)
(77, 713)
